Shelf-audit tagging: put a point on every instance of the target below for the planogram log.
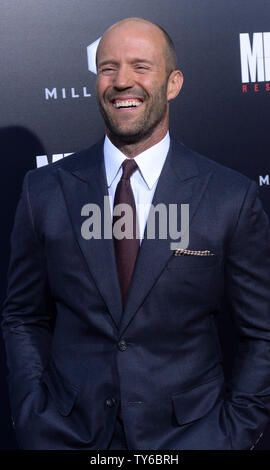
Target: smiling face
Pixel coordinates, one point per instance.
(132, 82)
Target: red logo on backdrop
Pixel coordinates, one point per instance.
(255, 62)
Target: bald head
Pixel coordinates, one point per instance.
(136, 79)
(147, 26)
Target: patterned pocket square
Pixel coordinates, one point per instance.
(182, 252)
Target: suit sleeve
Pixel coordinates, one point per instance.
(27, 310)
(247, 287)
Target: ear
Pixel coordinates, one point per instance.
(175, 82)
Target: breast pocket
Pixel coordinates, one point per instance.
(192, 261)
(193, 279)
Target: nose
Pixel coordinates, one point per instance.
(123, 78)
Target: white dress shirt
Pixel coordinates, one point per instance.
(143, 181)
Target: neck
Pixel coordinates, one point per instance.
(131, 150)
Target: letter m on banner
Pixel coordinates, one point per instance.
(255, 57)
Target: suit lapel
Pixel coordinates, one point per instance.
(83, 185)
(179, 183)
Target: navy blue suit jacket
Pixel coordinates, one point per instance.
(73, 356)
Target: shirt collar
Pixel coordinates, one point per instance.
(150, 162)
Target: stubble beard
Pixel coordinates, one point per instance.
(143, 127)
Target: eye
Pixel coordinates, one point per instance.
(107, 70)
(141, 67)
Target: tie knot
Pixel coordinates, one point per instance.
(129, 166)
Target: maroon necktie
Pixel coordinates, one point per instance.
(126, 249)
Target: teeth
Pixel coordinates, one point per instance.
(127, 103)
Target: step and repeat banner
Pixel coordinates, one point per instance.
(49, 110)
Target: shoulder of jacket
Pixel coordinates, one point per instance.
(71, 162)
(224, 176)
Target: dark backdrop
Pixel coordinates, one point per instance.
(48, 106)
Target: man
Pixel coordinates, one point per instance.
(112, 343)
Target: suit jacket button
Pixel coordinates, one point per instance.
(110, 402)
(13, 423)
(122, 345)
